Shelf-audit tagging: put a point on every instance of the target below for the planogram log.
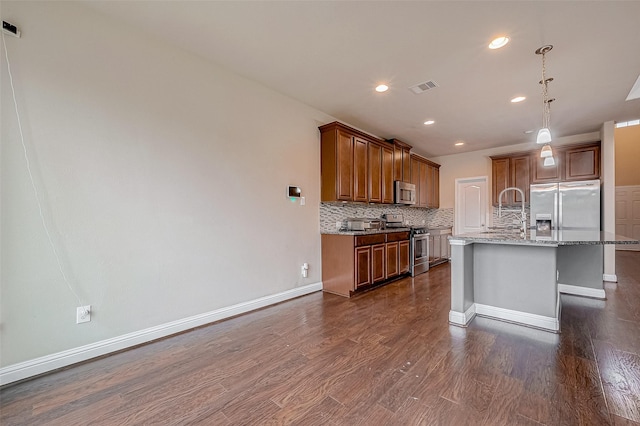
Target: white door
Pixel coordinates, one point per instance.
(628, 215)
(471, 205)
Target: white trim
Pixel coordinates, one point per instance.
(458, 242)
(534, 320)
(51, 362)
(611, 278)
(576, 290)
(462, 319)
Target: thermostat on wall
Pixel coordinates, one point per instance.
(294, 192)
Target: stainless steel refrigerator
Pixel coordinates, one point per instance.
(565, 206)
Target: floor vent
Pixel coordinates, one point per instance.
(423, 87)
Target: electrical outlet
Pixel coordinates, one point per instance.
(83, 314)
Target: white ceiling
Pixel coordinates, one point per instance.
(331, 54)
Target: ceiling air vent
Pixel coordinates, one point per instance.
(423, 87)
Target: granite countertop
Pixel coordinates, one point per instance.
(557, 238)
(369, 232)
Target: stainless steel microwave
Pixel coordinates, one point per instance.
(405, 193)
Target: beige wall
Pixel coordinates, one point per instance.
(162, 179)
(627, 155)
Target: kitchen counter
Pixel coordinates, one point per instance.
(504, 275)
(368, 232)
(557, 238)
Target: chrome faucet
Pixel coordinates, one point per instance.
(523, 218)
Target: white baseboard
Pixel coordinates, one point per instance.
(462, 319)
(34, 367)
(597, 293)
(534, 320)
(610, 278)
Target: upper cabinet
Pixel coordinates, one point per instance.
(401, 160)
(425, 175)
(359, 167)
(582, 163)
(572, 162)
(511, 171)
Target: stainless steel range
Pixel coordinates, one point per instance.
(419, 251)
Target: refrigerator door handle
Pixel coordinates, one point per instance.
(558, 202)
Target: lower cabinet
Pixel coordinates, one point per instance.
(439, 247)
(351, 263)
(403, 256)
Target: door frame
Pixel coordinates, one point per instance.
(456, 208)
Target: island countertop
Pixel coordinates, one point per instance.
(557, 238)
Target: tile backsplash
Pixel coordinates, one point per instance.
(509, 216)
(330, 213)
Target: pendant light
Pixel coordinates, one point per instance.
(546, 151)
(544, 134)
(549, 161)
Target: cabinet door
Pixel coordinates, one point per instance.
(424, 186)
(546, 174)
(375, 173)
(415, 177)
(520, 177)
(433, 187)
(363, 266)
(392, 259)
(432, 247)
(437, 248)
(360, 175)
(500, 180)
(344, 163)
(397, 163)
(582, 163)
(378, 260)
(387, 175)
(403, 257)
(406, 164)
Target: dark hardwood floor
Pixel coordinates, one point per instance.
(387, 357)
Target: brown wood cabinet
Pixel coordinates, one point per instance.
(582, 163)
(401, 160)
(359, 167)
(363, 266)
(511, 171)
(375, 173)
(425, 175)
(392, 260)
(380, 174)
(387, 175)
(355, 166)
(545, 174)
(572, 162)
(403, 257)
(378, 263)
(351, 263)
(433, 186)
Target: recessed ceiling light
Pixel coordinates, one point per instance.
(528, 132)
(518, 99)
(459, 143)
(382, 88)
(498, 42)
(429, 122)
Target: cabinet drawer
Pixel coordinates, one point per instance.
(397, 236)
(364, 240)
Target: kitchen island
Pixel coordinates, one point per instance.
(518, 277)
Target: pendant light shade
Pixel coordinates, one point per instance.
(546, 151)
(544, 136)
(549, 161)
